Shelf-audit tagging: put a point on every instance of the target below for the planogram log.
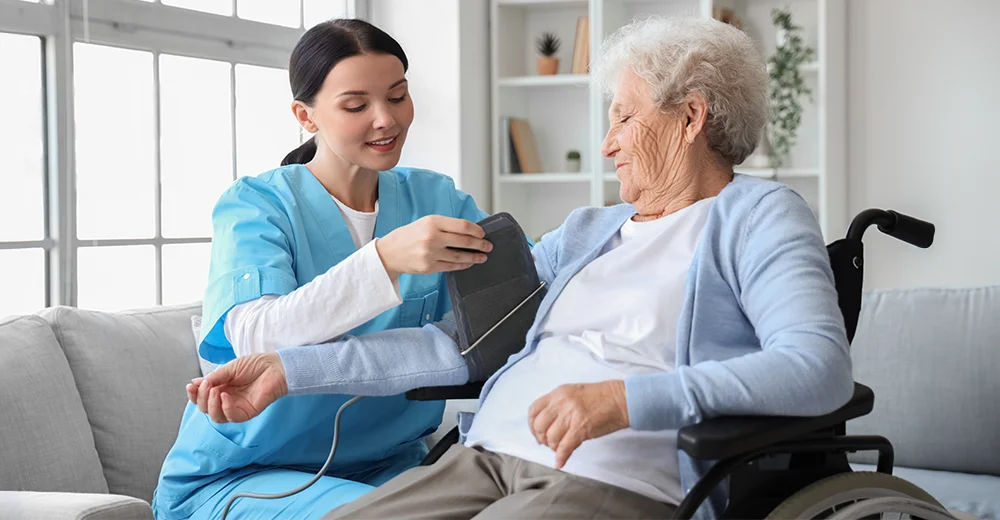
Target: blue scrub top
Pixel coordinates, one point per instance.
(272, 234)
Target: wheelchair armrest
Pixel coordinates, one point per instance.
(725, 437)
(442, 393)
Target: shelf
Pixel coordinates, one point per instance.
(811, 67)
(528, 178)
(554, 80)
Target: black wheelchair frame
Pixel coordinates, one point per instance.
(768, 459)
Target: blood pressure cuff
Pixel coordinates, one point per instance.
(484, 294)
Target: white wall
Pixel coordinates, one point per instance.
(924, 98)
(474, 99)
(447, 48)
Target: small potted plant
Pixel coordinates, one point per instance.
(548, 45)
(572, 161)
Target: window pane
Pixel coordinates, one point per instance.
(196, 144)
(269, 11)
(22, 286)
(116, 278)
(316, 11)
(185, 272)
(115, 163)
(22, 139)
(266, 130)
(223, 7)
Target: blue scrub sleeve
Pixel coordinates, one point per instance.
(251, 256)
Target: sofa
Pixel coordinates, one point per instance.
(90, 401)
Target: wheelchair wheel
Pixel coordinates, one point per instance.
(835, 496)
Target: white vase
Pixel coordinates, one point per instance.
(572, 165)
(761, 156)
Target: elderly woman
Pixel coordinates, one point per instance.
(706, 294)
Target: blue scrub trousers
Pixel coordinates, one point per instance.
(312, 503)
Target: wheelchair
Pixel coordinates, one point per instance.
(792, 467)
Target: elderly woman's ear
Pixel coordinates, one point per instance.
(695, 111)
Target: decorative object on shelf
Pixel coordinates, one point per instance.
(787, 85)
(761, 156)
(573, 161)
(524, 146)
(548, 45)
(581, 47)
(727, 15)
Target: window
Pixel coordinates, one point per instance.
(115, 142)
(285, 13)
(111, 177)
(22, 283)
(116, 277)
(316, 11)
(23, 236)
(266, 130)
(186, 105)
(196, 142)
(223, 7)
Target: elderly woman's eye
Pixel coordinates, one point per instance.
(624, 119)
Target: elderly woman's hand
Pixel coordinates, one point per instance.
(241, 389)
(571, 414)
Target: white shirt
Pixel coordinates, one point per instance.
(349, 294)
(617, 317)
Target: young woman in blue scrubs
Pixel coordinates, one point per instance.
(335, 241)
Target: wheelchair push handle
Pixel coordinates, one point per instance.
(911, 230)
(904, 227)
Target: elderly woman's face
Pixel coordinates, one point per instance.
(644, 140)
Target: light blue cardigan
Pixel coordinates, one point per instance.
(760, 332)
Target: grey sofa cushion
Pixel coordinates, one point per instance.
(45, 440)
(130, 369)
(25, 505)
(932, 356)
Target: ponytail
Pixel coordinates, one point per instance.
(302, 154)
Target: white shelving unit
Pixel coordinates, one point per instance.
(565, 113)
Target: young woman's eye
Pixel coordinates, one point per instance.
(358, 108)
(397, 99)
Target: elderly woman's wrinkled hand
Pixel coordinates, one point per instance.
(571, 414)
(241, 389)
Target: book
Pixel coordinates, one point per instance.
(581, 47)
(508, 159)
(525, 150)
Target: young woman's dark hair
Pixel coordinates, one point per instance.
(322, 47)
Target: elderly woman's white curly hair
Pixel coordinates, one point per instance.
(681, 55)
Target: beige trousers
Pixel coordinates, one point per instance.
(475, 483)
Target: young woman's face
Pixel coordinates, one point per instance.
(362, 112)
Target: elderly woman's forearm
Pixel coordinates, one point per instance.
(778, 381)
(383, 363)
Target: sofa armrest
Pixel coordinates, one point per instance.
(34, 505)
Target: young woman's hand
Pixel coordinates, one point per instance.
(431, 245)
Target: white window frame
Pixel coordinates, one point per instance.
(131, 24)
